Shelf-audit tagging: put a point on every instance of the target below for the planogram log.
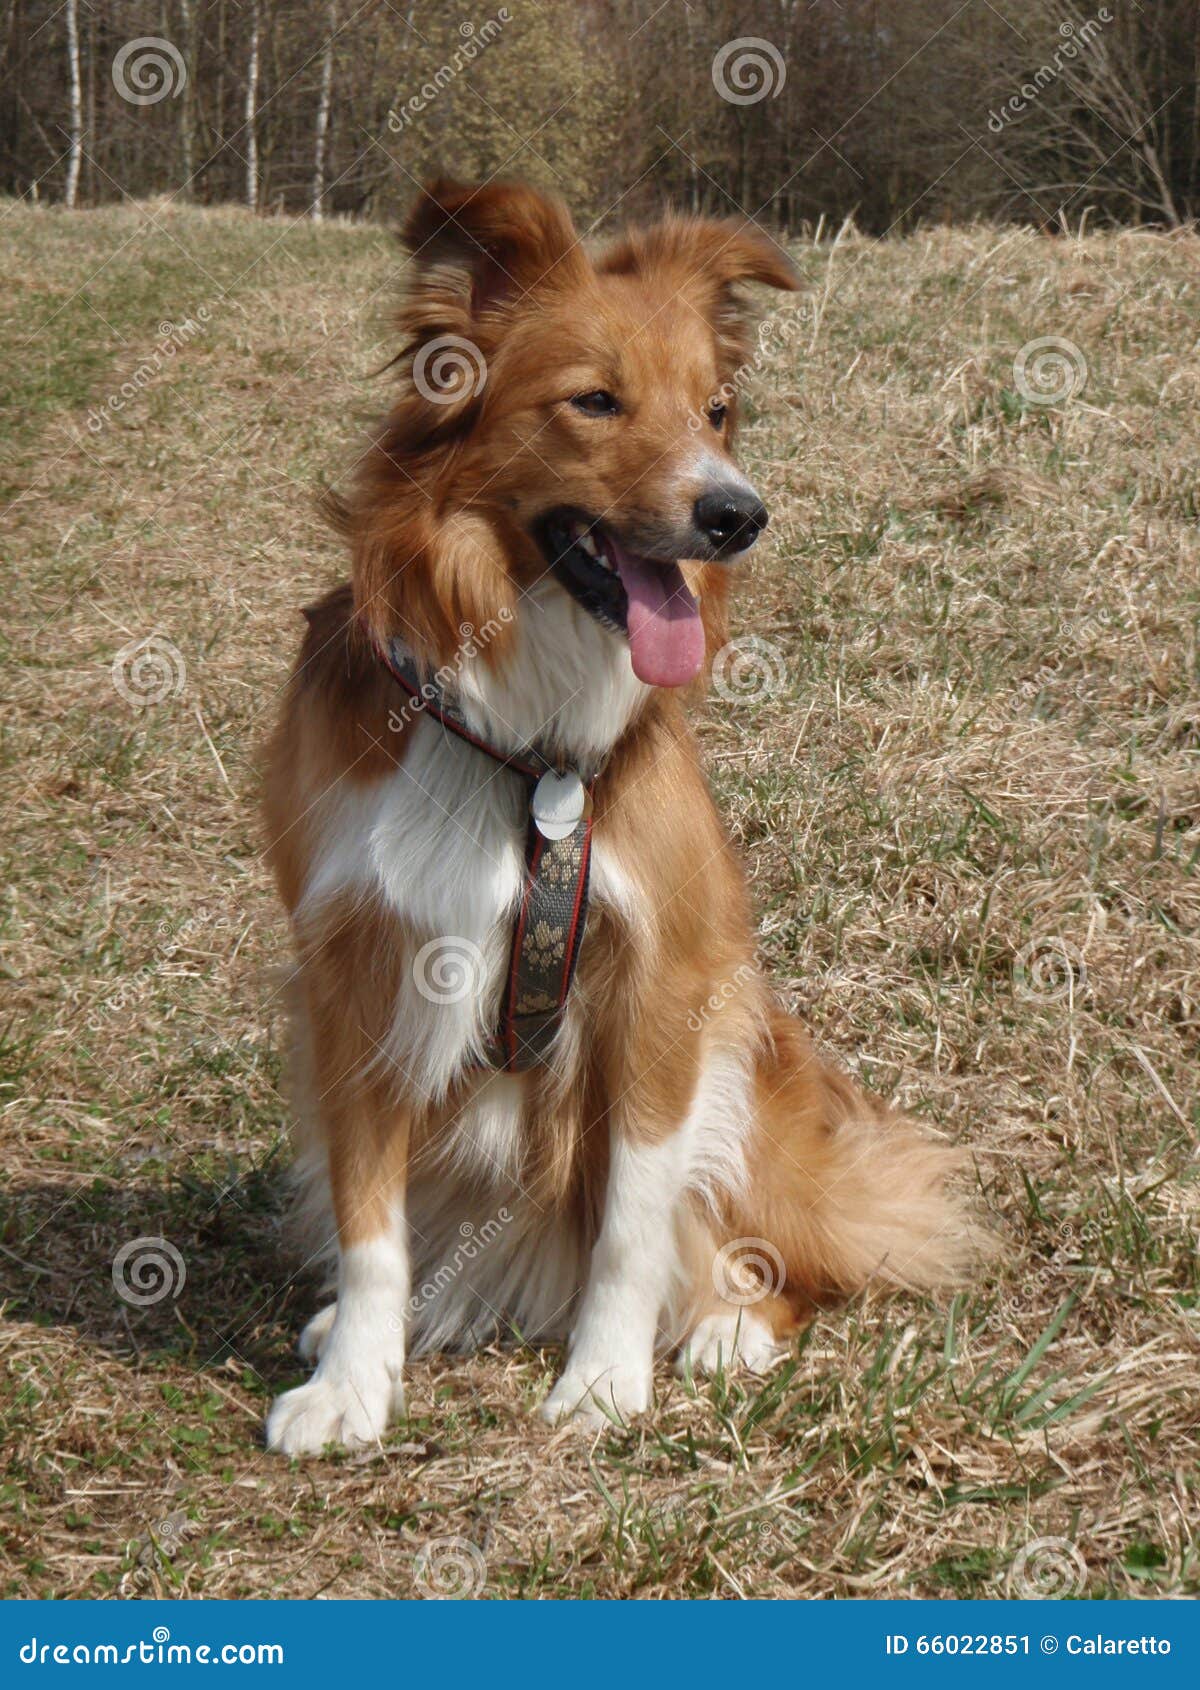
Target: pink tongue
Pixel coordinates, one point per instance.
(666, 635)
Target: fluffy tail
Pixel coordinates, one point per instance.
(843, 1190)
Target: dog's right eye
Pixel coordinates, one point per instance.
(596, 404)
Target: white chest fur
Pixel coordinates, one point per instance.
(441, 841)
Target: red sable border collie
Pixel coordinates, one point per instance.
(543, 1089)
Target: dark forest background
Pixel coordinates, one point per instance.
(890, 112)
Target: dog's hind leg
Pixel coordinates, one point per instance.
(841, 1192)
(731, 1337)
(730, 1311)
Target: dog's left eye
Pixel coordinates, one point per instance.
(596, 404)
(716, 415)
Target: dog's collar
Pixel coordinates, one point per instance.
(552, 914)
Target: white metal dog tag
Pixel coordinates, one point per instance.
(559, 804)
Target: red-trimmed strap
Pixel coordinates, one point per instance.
(546, 942)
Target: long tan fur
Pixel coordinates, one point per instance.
(837, 1188)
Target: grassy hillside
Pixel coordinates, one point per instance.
(960, 762)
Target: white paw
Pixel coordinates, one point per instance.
(340, 1408)
(730, 1340)
(312, 1339)
(598, 1395)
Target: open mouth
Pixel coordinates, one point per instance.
(644, 598)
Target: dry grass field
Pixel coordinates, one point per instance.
(961, 766)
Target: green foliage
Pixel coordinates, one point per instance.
(534, 100)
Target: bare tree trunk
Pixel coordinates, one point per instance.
(75, 156)
(252, 113)
(323, 108)
(217, 127)
(187, 104)
(87, 174)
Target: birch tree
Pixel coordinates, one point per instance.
(75, 155)
(252, 109)
(324, 103)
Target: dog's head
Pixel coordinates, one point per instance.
(565, 416)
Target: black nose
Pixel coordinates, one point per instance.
(731, 517)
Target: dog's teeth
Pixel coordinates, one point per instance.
(588, 544)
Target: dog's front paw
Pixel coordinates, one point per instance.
(598, 1394)
(350, 1409)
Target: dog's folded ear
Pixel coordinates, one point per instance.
(476, 253)
(702, 253)
(493, 243)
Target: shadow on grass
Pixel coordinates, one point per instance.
(189, 1270)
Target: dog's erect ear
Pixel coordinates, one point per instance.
(703, 260)
(502, 239)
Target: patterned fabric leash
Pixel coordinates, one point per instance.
(552, 913)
